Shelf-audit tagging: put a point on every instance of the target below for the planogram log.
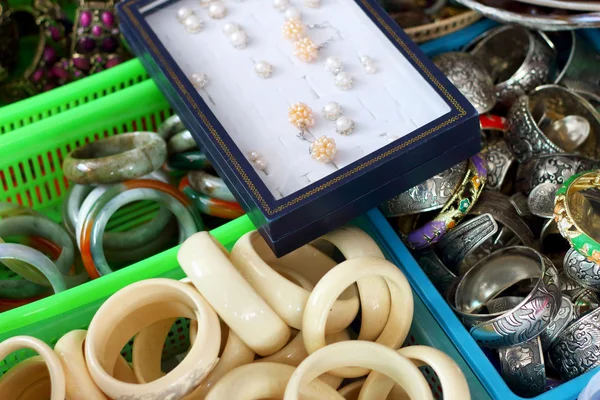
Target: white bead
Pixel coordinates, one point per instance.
(366, 60)
(263, 69)
(370, 68)
(253, 156)
(199, 79)
(344, 81)
(193, 24)
(205, 3)
(281, 5)
(239, 39)
(292, 13)
(332, 111)
(344, 125)
(334, 65)
(312, 3)
(230, 27)
(183, 13)
(261, 164)
(217, 10)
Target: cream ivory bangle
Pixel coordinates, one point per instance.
(335, 281)
(367, 355)
(132, 309)
(207, 264)
(266, 380)
(57, 376)
(293, 276)
(79, 383)
(295, 352)
(19, 379)
(453, 382)
(252, 257)
(352, 391)
(37, 390)
(375, 300)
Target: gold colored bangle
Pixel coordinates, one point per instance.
(335, 281)
(267, 380)
(253, 258)
(374, 293)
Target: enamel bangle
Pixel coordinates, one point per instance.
(209, 205)
(453, 382)
(459, 205)
(366, 356)
(374, 293)
(116, 158)
(232, 297)
(114, 324)
(54, 368)
(210, 185)
(30, 225)
(267, 380)
(35, 258)
(188, 161)
(141, 189)
(575, 215)
(335, 282)
(252, 257)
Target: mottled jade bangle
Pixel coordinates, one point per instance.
(210, 185)
(454, 210)
(92, 231)
(171, 126)
(211, 206)
(180, 142)
(33, 257)
(116, 159)
(188, 161)
(576, 218)
(70, 208)
(29, 225)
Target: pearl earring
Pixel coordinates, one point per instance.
(217, 10)
(263, 69)
(281, 5)
(230, 27)
(343, 81)
(259, 162)
(239, 39)
(334, 65)
(193, 23)
(301, 116)
(199, 80)
(183, 13)
(292, 13)
(293, 29)
(344, 125)
(312, 3)
(323, 149)
(332, 111)
(367, 62)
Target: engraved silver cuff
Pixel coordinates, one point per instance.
(522, 368)
(581, 270)
(566, 314)
(526, 139)
(491, 276)
(499, 160)
(575, 351)
(426, 196)
(515, 57)
(436, 271)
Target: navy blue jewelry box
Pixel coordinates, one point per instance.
(295, 219)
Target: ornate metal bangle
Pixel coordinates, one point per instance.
(522, 368)
(499, 160)
(566, 314)
(523, 322)
(116, 159)
(574, 352)
(515, 57)
(575, 216)
(210, 185)
(580, 269)
(455, 209)
(427, 196)
(188, 161)
(441, 277)
(553, 102)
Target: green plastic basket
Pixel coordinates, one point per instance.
(56, 101)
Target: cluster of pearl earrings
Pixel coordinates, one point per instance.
(199, 80)
(368, 64)
(237, 35)
(259, 162)
(343, 80)
(189, 19)
(322, 149)
(333, 112)
(294, 29)
(217, 10)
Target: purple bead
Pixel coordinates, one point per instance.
(81, 63)
(96, 30)
(85, 45)
(110, 44)
(108, 19)
(85, 19)
(113, 62)
(49, 55)
(54, 33)
(78, 73)
(38, 75)
(59, 72)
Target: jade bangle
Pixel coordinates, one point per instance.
(576, 218)
(171, 126)
(91, 237)
(12, 251)
(211, 206)
(20, 289)
(180, 142)
(210, 185)
(70, 208)
(29, 225)
(188, 161)
(116, 159)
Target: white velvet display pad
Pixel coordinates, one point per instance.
(385, 106)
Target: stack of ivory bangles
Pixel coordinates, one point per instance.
(260, 327)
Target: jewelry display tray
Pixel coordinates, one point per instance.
(411, 123)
